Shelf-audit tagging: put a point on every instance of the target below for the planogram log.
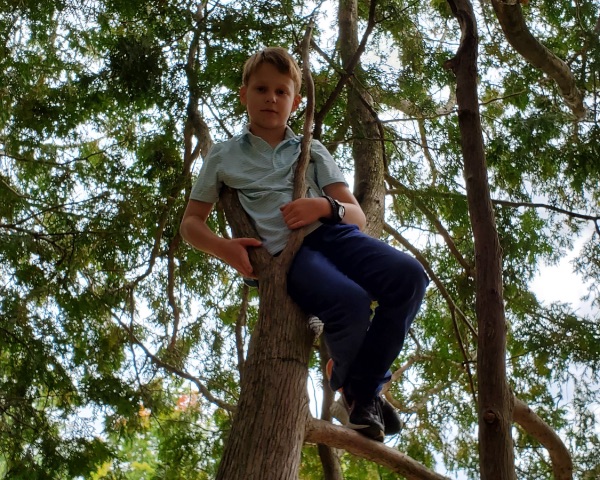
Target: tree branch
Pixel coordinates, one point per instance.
(515, 29)
(329, 459)
(348, 70)
(562, 464)
(496, 449)
(173, 246)
(505, 203)
(170, 368)
(438, 283)
(322, 432)
(296, 236)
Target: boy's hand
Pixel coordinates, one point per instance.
(235, 253)
(305, 211)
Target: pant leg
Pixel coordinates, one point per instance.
(394, 279)
(319, 288)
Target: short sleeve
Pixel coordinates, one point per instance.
(326, 170)
(208, 185)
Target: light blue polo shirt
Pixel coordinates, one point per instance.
(264, 179)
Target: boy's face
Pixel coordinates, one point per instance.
(269, 98)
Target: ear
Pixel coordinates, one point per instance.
(296, 102)
(243, 91)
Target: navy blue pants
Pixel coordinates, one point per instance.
(336, 275)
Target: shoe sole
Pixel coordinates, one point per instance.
(339, 412)
(371, 431)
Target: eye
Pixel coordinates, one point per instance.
(281, 92)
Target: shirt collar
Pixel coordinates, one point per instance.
(289, 134)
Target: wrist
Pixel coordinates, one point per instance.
(336, 211)
(221, 247)
(325, 208)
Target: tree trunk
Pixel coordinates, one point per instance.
(495, 399)
(267, 433)
(369, 186)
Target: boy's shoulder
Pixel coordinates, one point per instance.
(319, 151)
(225, 146)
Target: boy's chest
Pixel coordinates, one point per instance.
(268, 170)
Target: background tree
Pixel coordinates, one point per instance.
(108, 320)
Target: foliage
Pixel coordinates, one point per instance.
(108, 321)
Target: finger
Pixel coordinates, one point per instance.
(286, 214)
(250, 242)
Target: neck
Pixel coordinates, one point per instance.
(272, 137)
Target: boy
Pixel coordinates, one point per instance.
(338, 270)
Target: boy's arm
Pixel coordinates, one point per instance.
(354, 213)
(196, 232)
(305, 211)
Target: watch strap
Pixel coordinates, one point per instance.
(335, 214)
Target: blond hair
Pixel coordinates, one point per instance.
(280, 59)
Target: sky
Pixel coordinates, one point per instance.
(558, 283)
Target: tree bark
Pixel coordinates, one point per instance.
(515, 29)
(369, 186)
(496, 455)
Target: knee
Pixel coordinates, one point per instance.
(419, 279)
(409, 281)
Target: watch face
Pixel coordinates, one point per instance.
(341, 211)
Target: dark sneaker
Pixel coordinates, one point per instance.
(365, 418)
(387, 415)
(251, 282)
(391, 420)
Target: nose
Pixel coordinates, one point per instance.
(271, 97)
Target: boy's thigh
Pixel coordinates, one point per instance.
(315, 283)
(363, 258)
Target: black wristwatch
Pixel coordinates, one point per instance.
(337, 211)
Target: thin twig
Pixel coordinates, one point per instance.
(296, 237)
